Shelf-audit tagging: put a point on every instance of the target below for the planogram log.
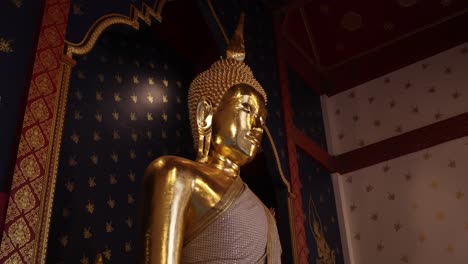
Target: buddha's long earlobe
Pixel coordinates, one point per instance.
(204, 125)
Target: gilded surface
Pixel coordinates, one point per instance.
(19, 233)
(24, 199)
(325, 255)
(39, 108)
(30, 167)
(35, 138)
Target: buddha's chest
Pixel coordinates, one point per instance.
(238, 233)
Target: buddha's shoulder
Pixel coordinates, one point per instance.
(165, 164)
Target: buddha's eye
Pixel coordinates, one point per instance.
(247, 108)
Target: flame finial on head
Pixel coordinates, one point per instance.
(236, 47)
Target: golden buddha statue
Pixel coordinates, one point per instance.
(201, 211)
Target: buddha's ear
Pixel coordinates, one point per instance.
(204, 115)
(204, 122)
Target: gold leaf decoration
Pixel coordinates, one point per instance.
(117, 97)
(115, 157)
(109, 227)
(150, 98)
(90, 207)
(115, 115)
(5, 46)
(111, 202)
(75, 137)
(92, 182)
(134, 98)
(115, 134)
(107, 254)
(112, 179)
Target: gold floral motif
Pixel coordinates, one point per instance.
(35, 138)
(107, 253)
(24, 199)
(28, 118)
(109, 227)
(48, 59)
(131, 176)
(134, 98)
(134, 135)
(19, 233)
(5, 46)
(115, 115)
(130, 199)
(87, 233)
(128, 247)
(100, 77)
(96, 136)
(29, 167)
(75, 137)
(115, 134)
(23, 148)
(14, 259)
(52, 35)
(84, 259)
(98, 117)
(63, 239)
(149, 116)
(90, 207)
(99, 96)
(129, 222)
(111, 202)
(94, 159)
(325, 255)
(115, 157)
(92, 182)
(6, 247)
(150, 98)
(70, 186)
(112, 179)
(72, 161)
(117, 97)
(40, 110)
(27, 252)
(132, 154)
(77, 10)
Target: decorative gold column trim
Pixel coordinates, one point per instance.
(146, 14)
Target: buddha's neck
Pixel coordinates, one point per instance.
(223, 164)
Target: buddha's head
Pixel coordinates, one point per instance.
(227, 107)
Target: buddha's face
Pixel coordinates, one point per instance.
(238, 124)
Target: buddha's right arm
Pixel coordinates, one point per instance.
(171, 191)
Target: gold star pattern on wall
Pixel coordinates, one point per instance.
(377, 110)
(120, 115)
(396, 199)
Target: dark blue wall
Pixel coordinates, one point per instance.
(79, 205)
(317, 189)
